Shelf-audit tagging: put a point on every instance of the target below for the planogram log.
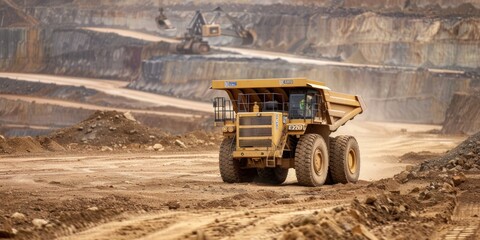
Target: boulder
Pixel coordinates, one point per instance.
(39, 223)
(105, 148)
(158, 147)
(402, 177)
(19, 216)
(459, 179)
(370, 200)
(180, 143)
(129, 116)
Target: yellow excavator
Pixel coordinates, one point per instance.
(193, 41)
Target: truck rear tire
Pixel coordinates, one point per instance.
(311, 160)
(230, 169)
(344, 159)
(272, 175)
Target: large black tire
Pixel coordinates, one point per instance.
(230, 169)
(272, 175)
(200, 48)
(329, 180)
(344, 159)
(311, 160)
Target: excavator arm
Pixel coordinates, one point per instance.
(239, 30)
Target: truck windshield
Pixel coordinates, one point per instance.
(301, 106)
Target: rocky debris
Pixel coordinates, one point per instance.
(112, 131)
(465, 156)
(383, 216)
(107, 129)
(6, 230)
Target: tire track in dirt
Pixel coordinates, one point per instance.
(263, 223)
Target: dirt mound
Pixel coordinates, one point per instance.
(465, 156)
(21, 145)
(112, 130)
(390, 215)
(463, 114)
(107, 129)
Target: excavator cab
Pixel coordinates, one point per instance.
(199, 28)
(212, 30)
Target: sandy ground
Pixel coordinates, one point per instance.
(180, 195)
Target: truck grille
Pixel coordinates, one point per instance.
(255, 131)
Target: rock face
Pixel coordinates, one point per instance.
(390, 94)
(74, 52)
(463, 114)
(25, 113)
(407, 32)
(43, 118)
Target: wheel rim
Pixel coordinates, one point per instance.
(204, 49)
(318, 161)
(352, 161)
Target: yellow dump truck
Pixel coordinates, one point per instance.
(271, 125)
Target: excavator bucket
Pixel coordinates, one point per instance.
(162, 21)
(249, 37)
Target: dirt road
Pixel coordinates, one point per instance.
(64, 103)
(115, 88)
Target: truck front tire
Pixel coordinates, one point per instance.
(230, 169)
(311, 160)
(344, 159)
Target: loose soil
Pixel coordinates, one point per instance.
(121, 195)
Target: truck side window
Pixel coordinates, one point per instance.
(302, 106)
